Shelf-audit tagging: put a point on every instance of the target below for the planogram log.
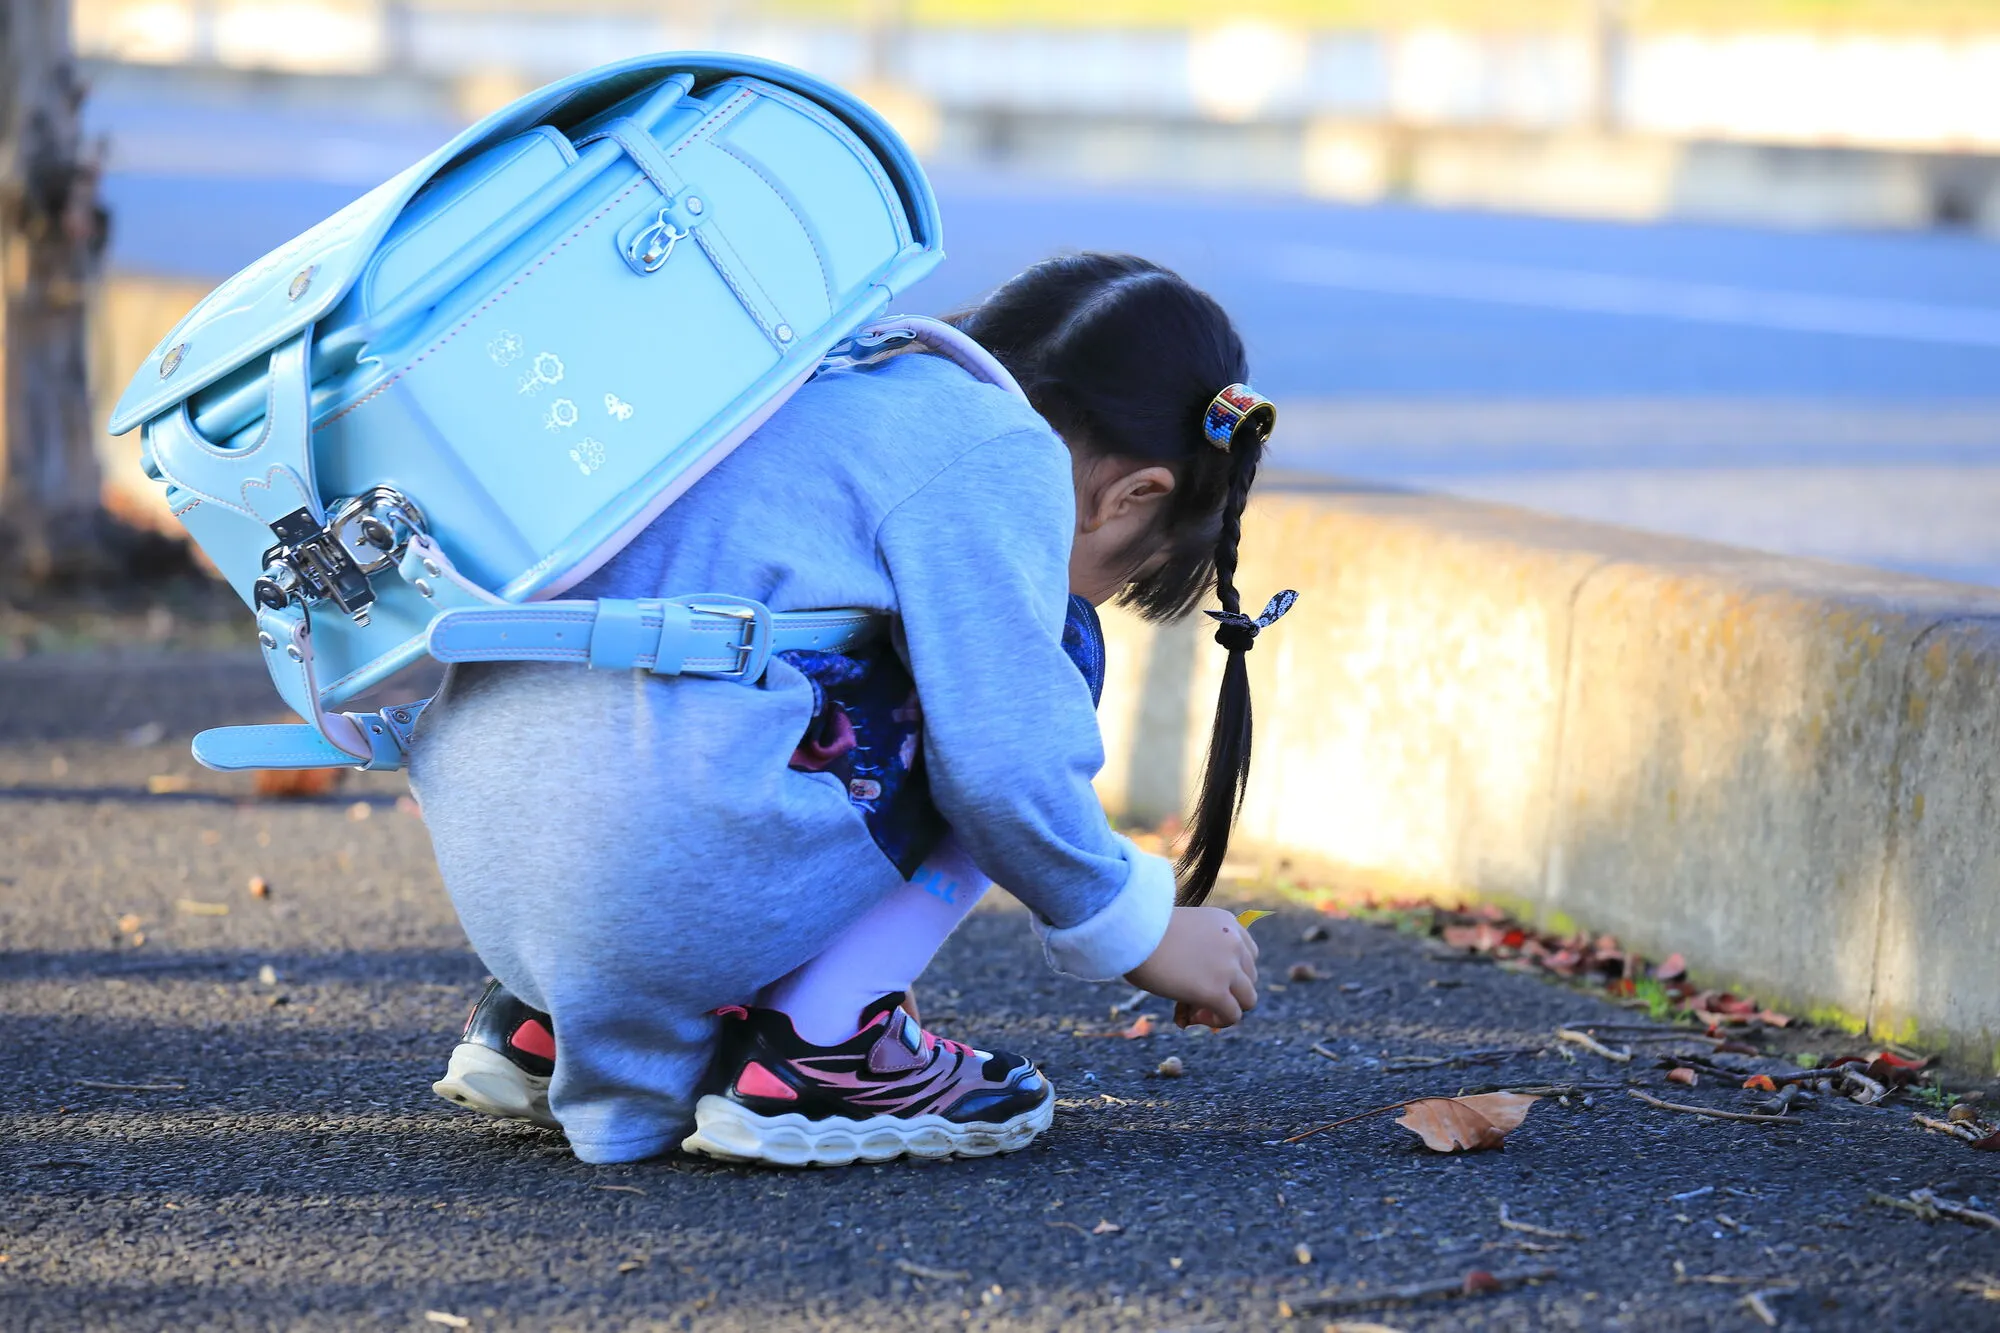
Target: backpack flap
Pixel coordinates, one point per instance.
(298, 283)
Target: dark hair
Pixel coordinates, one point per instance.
(1123, 357)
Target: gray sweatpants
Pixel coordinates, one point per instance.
(608, 870)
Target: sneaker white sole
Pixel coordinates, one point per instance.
(730, 1132)
(483, 1080)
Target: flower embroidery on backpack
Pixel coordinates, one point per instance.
(588, 455)
(546, 369)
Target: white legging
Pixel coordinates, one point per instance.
(885, 951)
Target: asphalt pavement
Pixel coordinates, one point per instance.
(188, 1140)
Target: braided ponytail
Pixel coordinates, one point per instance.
(1226, 772)
(1125, 359)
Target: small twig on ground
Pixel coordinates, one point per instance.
(1081, 1231)
(1720, 1279)
(1592, 1044)
(1533, 1230)
(1360, 1115)
(1459, 1057)
(622, 1189)
(934, 1274)
(1758, 1306)
(1321, 1049)
(1928, 1206)
(1806, 1076)
(1704, 1064)
(1525, 1246)
(1957, 1130)
(1415, 1291)
(1872, 1092)
(1538, 1089)
(1588, 1026)
(1714, 1115)
(1984, 1285)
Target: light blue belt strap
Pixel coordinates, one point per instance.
(712, 635)
(708, 634)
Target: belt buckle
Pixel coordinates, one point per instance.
(753, 649)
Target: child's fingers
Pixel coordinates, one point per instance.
(1243, 990)
(1224, 1009)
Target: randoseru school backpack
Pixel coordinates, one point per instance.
(409, 429)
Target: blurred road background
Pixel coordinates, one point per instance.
(1728, 272)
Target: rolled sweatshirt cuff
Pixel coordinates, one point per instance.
(1124, 933)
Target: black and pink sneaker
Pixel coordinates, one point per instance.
(503, 1061)
(890, 1090)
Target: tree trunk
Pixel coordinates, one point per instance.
(52, 234)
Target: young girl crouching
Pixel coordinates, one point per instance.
(713, 889)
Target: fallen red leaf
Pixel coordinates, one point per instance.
(1671, 968)
(1142, 1026)
(1466, 1124)
(1736, 1048)
(1514, 938)
(1896, 1061)
(1479, 1280)
(1772, 1018)
(1991, 1143)
(1684, 1076)
(1897, 1075)
(1760, 1083)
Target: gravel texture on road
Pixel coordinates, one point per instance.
(190, 1140)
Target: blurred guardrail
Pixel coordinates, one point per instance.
(1570, 107)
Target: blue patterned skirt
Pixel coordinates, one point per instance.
(867, 730)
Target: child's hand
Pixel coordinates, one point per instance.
(1207, 962)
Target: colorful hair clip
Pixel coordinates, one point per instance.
(1239, 414)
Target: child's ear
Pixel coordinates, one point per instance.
(1107, 496)
(1137, 492)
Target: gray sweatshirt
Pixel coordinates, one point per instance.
(630, 851)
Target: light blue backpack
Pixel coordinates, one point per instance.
(407, 430)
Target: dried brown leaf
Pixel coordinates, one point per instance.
(1466, 1124)
(1684, 1076)
(1106, 1227)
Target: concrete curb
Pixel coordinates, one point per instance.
(1785, 769)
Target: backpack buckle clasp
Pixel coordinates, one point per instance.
(652, 248)
(312, 563)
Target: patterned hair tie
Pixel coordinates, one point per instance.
(1239, 415)
(1238, 632)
